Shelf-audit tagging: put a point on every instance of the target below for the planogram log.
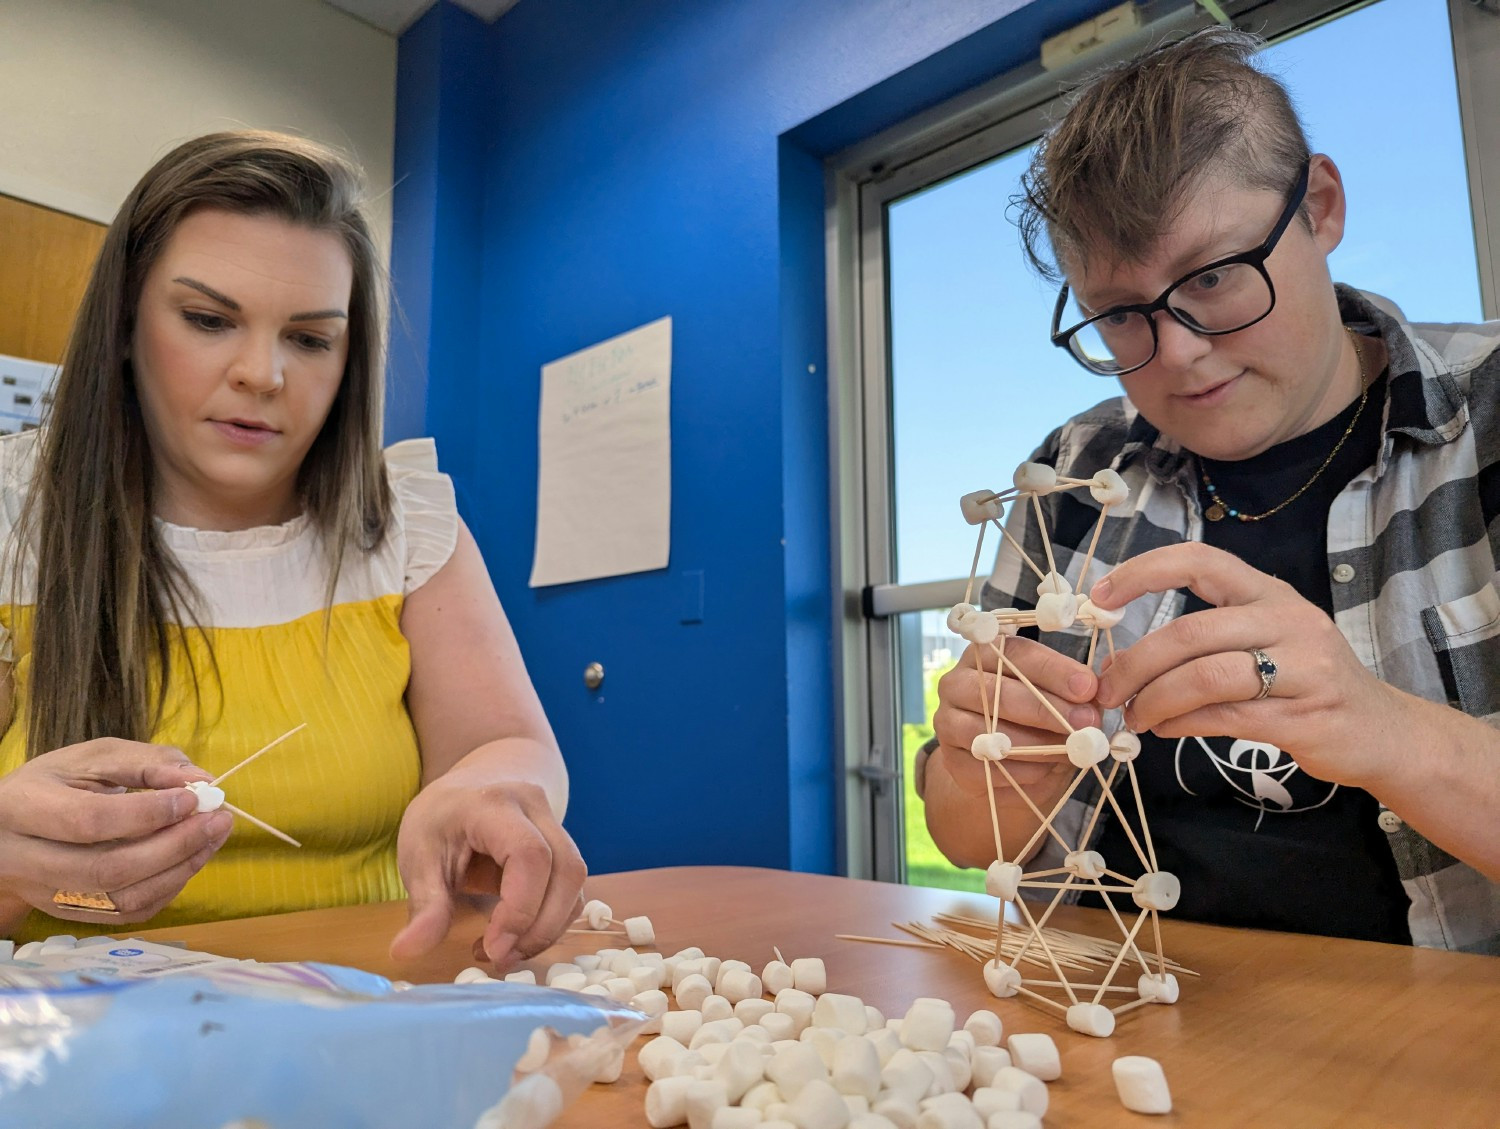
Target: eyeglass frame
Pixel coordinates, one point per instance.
(1256, 257)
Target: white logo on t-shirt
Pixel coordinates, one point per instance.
(1259, 773)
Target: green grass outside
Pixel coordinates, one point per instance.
(925, 864)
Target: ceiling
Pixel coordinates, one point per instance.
(395, 16)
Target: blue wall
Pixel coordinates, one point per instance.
(580, 168)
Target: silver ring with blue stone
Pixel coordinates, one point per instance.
(1267, 671)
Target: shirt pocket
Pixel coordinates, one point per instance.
(1465, 637)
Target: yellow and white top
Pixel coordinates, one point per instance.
(341, 785)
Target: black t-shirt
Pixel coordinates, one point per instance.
(1254, 840)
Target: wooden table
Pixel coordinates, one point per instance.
(1279, 1030)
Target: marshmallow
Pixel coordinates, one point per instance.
(473, 976)
(959, 1068)
(980, 506)
(538, 1048)
(1157, 889)
(985, 1027)
(987, 1062)
(1092, 1019)
(798, 1004)
(525, 976)
(1055, 583)
(887, 1041)
(741, 1067)
(1109, 488)
(809, 975)
(576, 982)
(598, 976)
(870, 1120)
(1056, 612)
(1036, 1054)
(989, 1101)
(623, 964)
(822, 1040)
(847, 1013)
(1124, 746)
(657, 1057)
(702, 1100)
(856, 1067)
(666, 1102)
(957, 614)
(1003, 880)
(927, 1025)
(557, 970)
(1085, 864)
(715, 1007)
(1014, 1119)
(1093, 615)
(738, 985)
(646, 977)
(1001, 979)
(639, 931)
(943, 1081)
(1157, 988)
(1035, 478)
(709, 967)
(981, 628)
(752, 1010)
(681, 1025)
(819, 1106)
(654, 1003)
(906, 1077)
(620, 987)
(793, 1067)
(991, 746)
(588, 961)
(949, 1111)
(715, 1031)
(1087, 746)
(776, 976)
(1142, 1085)
(874, 1021)
(778, 1122)
(900, 1113)
(1031, 1089)
(209, 798)
(611, 1066)
(760, 1095)
(598, 914)
(778, 1024)
(693, 990)
(692, 952)
(733, 1117)
(533, 1103)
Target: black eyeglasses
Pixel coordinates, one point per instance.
(1225, 296)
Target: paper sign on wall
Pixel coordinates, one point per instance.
(604, 474)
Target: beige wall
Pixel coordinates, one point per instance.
(93, 91)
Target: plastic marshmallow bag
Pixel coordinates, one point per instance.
(92, 1040)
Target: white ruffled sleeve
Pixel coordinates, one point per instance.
(425, 511)
(18, 455)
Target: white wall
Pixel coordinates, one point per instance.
(93, 91)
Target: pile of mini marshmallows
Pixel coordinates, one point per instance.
(729, 1058)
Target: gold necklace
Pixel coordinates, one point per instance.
(1218, 509)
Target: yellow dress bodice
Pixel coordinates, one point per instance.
(339, 786)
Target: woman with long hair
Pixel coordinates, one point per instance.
(206, 547)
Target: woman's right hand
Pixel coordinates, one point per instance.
(956, 779)
(73, 820)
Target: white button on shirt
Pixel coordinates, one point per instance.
(1389, 821)
(1343, 573)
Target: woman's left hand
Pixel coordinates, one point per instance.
(1196, 675)
(498, 838)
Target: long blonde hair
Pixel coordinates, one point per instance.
(107, 589)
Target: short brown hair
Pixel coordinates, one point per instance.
(1137, 137)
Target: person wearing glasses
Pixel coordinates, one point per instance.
(1310, 650)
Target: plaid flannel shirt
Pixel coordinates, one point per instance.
(1420, 531)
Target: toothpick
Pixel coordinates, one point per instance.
(779, 957)
(258, 752)
(887, 941)
(262, 824)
